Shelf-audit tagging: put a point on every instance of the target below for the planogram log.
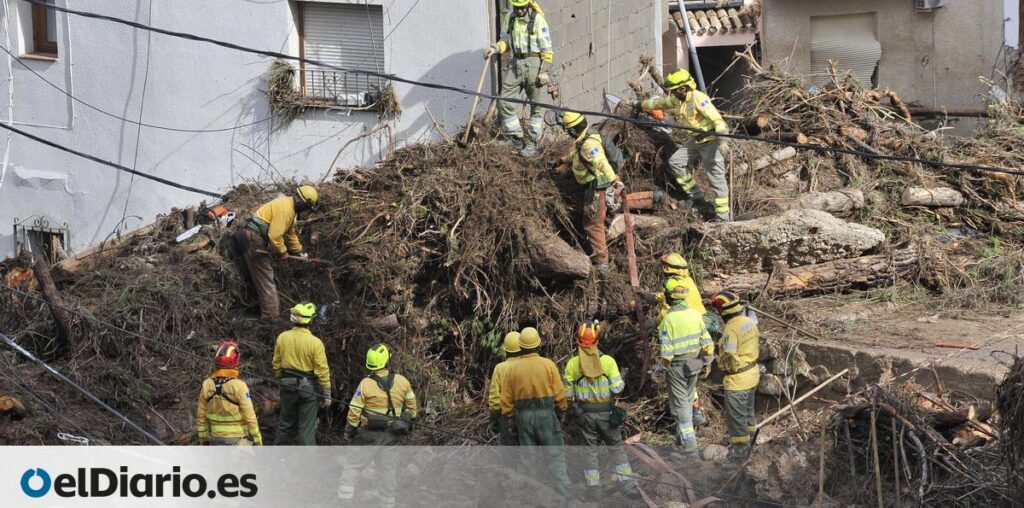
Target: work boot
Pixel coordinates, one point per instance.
(529, 150)
(515, 142)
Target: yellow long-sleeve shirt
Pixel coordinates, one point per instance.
(739, 350)
(229, 414)
(298, 349)
(279, 216)
(590, 162)
(374, 400)
(494, 391)
(532, 377)
(696, 111)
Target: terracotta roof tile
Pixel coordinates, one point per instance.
(717, 21)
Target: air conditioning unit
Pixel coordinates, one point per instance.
(929, 5)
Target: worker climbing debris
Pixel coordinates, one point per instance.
(380, 413)
(530, 396)
(737, 357)
(591, 382)
(498, 422)
(272, 230)
(694, 109)
(686, 354)
(593, 170)
(300, 363)
(225, 415)
(525, 33)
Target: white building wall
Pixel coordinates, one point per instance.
(199, 86)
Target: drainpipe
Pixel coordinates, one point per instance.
(690, 46)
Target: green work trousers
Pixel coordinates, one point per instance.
(385, 463)
(505, 436)
(740, 422)
(682, 389)
(538, 427)
(296, 424)
(710, 157)
(597, 430)
(521, 77)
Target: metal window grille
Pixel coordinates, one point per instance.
(37, 236)
(345, 35)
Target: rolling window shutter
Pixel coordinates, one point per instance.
(850, 40)
(350, 36)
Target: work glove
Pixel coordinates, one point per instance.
(705, 372)
(326, 403)
(543, 78)
(493, 49)
(496, 423)
(658, 374)
(350, 431)
(257, 440)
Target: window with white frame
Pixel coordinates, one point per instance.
(343, 35)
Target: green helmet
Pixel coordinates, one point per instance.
(377, 357)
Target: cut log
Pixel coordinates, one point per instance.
(84, 260)
(773, 158)
(552, 257)
(384, 323)
(794, 238)
(641, 223)
(834, 276)
(12, 407)
(789, 137)
(935, 197)
(763, 120)
(56, 303)
(843, 201)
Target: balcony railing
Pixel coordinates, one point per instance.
(349, 89)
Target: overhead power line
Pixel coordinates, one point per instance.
(24, 352)
(472, 93)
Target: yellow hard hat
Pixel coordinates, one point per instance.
(377, 357)
(529, 338)
(674, 264)
(572, 119)
(726, 303)
(511, 344)
(679, 79)
(521, 3)
(308, 195)
(302, 314)
(675, 290)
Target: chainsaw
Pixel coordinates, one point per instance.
(653, 116)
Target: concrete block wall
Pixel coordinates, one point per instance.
(598, 44)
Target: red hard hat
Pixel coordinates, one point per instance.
(228, 356)
(588, 333)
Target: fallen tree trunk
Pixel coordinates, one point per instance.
(935, 197)
(768, 160)
(56, 303)
(640, 223)
(831, 277)
(842, 201)
(552, 257)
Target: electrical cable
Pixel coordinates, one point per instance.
(39, 398)
(114, 165)
(116, 116)
(24, 352)
(142, 111)
(473, 93)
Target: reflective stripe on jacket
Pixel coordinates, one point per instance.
(532, 378)
(521, 40)
(227, 416)
(494, 391)
(279, 216)
(739, 350)
(298, 349)
(695, 111)
(374, 400)
(682, 332)
(590, 162)
(585, 389)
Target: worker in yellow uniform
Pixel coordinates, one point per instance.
(226, 415)
(300, 363)
(592, 170)
(737, 356)
(525, 33)
(695, 110)
(498, 422)
(379, 415)
(591, 382)
(271, 232)
(530, 395)
(686, 354)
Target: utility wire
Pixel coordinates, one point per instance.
(116, 116)
(33, 137)
(39, 398)
(17, 347)
(472, 93)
